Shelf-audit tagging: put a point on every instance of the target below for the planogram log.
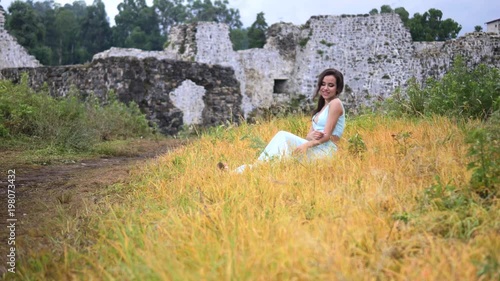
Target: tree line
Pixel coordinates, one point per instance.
(428, 26)
(73, 33)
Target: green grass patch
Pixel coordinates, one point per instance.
(46, 125)
(462, 93)
(404, 210)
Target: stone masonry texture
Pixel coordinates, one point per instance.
(375, 53)
(151, 83)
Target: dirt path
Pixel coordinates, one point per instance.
(44, 193)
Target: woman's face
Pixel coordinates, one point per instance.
(328, 89)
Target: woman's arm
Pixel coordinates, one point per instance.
(313, 134)
(309, 135)
(334, 112)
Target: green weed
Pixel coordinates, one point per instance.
(70, 123)
(462, 93)
(484, 152)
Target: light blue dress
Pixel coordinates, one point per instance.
(284, 143)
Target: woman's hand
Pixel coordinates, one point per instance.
(314, 135)
(301, 149)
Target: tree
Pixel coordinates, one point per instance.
(137, 39)
(257, 32)
(478, 28)
(385, 9)
(149, 23)
(78, 8)
(136, 20)
(47, 14)
(403, 14)
(216, 12)
(373, 12)
(417, 27)
(239, 38)
(170, 13)
(431, 27)
(67, 33)
(448, 29)
(425, 27)
(95, 32)
(24, 24)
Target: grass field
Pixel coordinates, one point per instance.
(391, 204)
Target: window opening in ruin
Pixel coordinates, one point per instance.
(279, 86)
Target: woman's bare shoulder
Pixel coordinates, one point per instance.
(336, 105)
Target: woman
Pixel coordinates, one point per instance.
(328, 124)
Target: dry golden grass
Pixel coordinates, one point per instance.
(343, 218)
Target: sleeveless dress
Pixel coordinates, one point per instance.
(284, 143)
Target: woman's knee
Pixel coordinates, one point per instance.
(283, 134)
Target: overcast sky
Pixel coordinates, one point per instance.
(467, 13)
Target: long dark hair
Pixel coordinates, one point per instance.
(339, 79)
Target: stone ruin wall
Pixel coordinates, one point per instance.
(11, 53)
(199, 42)
(256, 69)
(171, 93)
(477, 47)
(375, 53)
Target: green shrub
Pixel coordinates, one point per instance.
(450, 212)
(465, 93)
(357, 146)
(461, 93)
(484, 152)
(67, 122)
(115, 120)
(303, 42)
(411, 104)
(463, 211)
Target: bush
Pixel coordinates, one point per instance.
(69, 122)
(461, 93)
(484, 152)
(411, 104)
(115, 120)
(464, 93)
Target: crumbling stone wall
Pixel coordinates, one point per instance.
(435, 58)
(375, 53)
(11, 53)
(171, 93)
(255, 69)
(206, 42)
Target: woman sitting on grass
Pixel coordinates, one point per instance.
(328, 122)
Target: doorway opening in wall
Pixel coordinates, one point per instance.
(279, 86)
